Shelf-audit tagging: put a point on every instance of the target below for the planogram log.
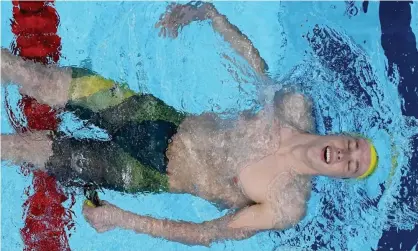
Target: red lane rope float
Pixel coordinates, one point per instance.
(35, 25)
(39, 116)
(46, 218)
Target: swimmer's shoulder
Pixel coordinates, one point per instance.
(288, 199)
(295, 109)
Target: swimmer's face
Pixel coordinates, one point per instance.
(340, 156)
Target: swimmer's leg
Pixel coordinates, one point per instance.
(49, 84)
(134, 160)
(136, 108)
(102, 164)
(140, 126)
(29, 147)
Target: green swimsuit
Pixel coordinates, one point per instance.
(140, 127)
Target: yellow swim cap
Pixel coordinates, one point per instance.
(373, 162)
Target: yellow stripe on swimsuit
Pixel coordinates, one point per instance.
(89, 85)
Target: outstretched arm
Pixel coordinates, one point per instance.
(242, 225)
(178, 16)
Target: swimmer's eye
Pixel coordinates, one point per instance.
(350, 145)
(356, 142)
(351, 167)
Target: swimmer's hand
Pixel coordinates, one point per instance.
(103, 218)
(177, 16)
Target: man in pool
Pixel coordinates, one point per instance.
(259, 166)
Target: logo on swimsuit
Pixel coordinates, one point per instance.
(78, 162)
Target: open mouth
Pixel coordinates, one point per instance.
(327, 154)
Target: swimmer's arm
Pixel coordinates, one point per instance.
(241, 225)
(238, 40)
(231, 33)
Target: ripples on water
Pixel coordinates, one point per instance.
(348, 86)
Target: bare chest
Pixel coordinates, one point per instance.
(209, 163)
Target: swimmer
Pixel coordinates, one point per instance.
(259, 166)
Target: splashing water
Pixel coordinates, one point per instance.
(345, 78)
(350, 97)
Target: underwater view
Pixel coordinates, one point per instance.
(214, 125)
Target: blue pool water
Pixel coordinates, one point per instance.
(339, 59)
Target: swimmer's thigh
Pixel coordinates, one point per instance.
(103, 164)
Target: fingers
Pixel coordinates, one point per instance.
(161, 21)
(162, 32)
(91, 216)
(105, 203)
(170, 21)
(174, 34)
(158, 24)
(89, 203)
(87, 213)
(166, 32)
(100, 218)
(87, 209)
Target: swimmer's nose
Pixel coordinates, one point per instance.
(341, 154)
